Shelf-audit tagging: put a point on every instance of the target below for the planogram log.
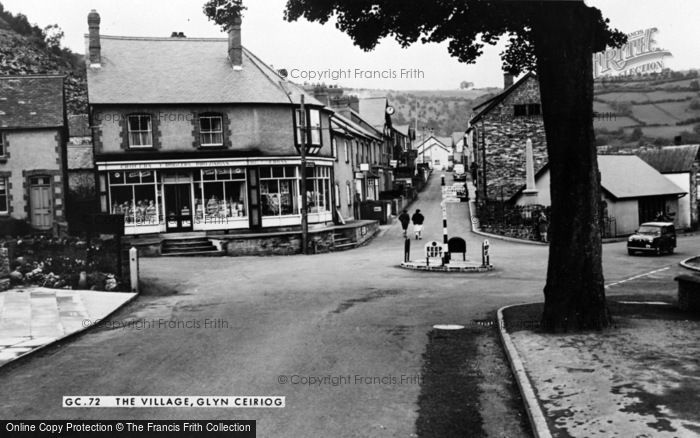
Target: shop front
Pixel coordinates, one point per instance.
(165, 197)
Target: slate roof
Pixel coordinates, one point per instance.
(32, 101)
(457, 136)
(443, 142)
(373, 110)
(487, 106)
(671, 159)
(627, 176)
(138, 70)
(402, 129)
(346, 125)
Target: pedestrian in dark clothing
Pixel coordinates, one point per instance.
(543, 226)
(405, 219)
(418, 219)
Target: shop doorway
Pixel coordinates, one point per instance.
(178, 207)
(40, 202)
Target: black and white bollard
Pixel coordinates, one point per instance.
(442, 177)
(407, 250)
(485, 259)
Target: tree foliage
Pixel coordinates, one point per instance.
(223, 12)
(467, 26)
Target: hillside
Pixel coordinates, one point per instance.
(651, 110)
(24, 50)
(443, 111)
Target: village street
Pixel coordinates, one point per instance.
(347, 314)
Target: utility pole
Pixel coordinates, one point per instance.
(304, 206)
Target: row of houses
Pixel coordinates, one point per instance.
(636, 187)
(192, 135)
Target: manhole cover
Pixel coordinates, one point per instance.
(448, 327)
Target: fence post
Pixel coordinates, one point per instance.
(134, 269)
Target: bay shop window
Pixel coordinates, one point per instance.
(154, 201)
(213, 198)
(220, 197)
(280, 195)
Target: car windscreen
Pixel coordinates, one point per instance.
(649, 230)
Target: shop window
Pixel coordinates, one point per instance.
(140, 131)
(318, 184)
(279, 190)
(220, 195)
(134, 194)
(4, 198)
(211, 131)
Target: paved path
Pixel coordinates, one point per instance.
(352, 313)
(33, 317)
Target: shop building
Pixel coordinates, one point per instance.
(33, 138)
(198, 134)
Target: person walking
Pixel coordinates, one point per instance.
(405, 219)
(418, 219)
(543, 226)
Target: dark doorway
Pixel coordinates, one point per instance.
(178, 207)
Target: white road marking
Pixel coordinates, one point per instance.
(637, 276)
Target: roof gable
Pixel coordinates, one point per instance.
(626, 176)
(487, 106)
(184, 70)
(31, 101)
(373, 110)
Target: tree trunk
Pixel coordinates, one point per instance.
(574, 292)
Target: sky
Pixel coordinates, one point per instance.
(305, 49)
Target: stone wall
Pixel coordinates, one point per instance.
(504, 136)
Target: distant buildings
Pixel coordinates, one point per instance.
(434, 151)
(33, 136)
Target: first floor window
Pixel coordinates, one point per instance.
(279, 190)
(4, 198)
(140, 131)
(211, 130)
(334, 149)
(347, 151)
(348, 193)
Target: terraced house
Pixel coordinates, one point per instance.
(199, 135)
(33, 138)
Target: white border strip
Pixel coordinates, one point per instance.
(540, 429)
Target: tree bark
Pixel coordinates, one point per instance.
(574, 292)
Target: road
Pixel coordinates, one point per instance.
(352, 318)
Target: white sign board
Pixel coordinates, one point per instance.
(433, 250)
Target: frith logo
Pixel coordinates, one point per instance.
(639, 55)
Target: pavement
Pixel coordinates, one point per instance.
(267, 325)
(31, 318)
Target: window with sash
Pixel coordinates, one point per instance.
(140, 131)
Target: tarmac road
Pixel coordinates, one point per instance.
(352, 322)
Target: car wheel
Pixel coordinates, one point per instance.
(630, 252)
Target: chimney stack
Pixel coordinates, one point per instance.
(507, 80)
(235, 49)
(94, 48)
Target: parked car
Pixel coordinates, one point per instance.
(458, 173)
(654, 237)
